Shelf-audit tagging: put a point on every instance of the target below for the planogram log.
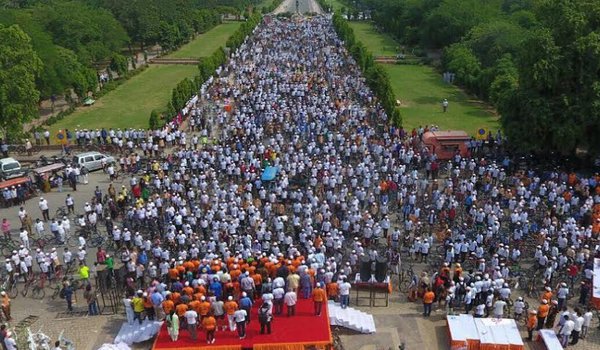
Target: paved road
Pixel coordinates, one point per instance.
(304, 6)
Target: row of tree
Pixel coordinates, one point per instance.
(206, 69)
(537, 61)
(376, 77)
(71, 39)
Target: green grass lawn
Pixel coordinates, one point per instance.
(130, 104)
(205, 44)
(377, 43)
(421, 91)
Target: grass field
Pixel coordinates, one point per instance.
(130, 104)
(378, 44)
(205, 44)
(421, 90)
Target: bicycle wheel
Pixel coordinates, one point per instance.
(40, 243)
(14, 291)
(73, 241)
(38, 293)
(25, 290)
(404, 285)
(96, 241)
(6, 251)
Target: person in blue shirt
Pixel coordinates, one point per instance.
(143, 258)
(216, 288)
(246, 304)
(157, 300)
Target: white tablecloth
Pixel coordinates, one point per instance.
(550, 339)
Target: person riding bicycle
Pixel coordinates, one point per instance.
(519, 307)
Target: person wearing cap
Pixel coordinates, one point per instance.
(532, 320)
(230, 307)
(6, 306)
(542, 313)
(549, 323)
(191, 320)
(209, 323)
(562, 294)
(43, 205)
(241, 319)
(245, 303)
(319, 297)
(138, 306)
(519, 307)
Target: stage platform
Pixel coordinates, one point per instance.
(288, 333)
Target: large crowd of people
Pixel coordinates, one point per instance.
(203, 236)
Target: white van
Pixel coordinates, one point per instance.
(92, 160)
(10, 168)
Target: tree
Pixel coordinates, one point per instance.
(20, 67)
(92, 33)
(119, 64)
(154, 121)
(461, 60)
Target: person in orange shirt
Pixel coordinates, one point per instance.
(542, 313)
(230, 308)
(547, 294)
(531, 322)
(6, 306)
(319, 297)
(187, 290)
(173, 275)
(168, 305)
(209, 323)
(204, 307)
(180, 309)
(176, 297)
(194, 305)
(428, 299)
(332, 291)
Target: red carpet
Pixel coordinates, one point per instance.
(287, 333)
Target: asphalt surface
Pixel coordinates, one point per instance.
(304, 6)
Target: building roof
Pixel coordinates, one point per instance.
(447, 135)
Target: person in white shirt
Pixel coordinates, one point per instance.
(43, 204)
(577, 327)
(39, 227)
(566, 330)
(24, 235)
(9, 342)
(344, 288)
(290, 298)
(240, 320)
(519, 306)
(191, 319)
(587, 321)
(499, 308)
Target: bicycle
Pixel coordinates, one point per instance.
(61, 212)
(10, 287)
(38, 291)
(56, 290)
(7, 245)
(27, 285)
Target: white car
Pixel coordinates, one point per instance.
(92, 160)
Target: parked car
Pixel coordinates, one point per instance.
(11, 168)
(92, 160)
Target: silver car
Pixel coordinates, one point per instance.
(92, 160)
